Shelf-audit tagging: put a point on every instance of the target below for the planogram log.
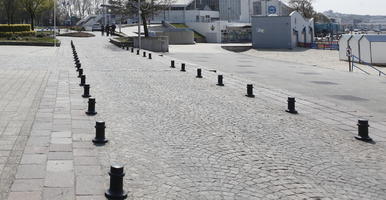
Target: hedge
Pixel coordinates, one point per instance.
(17, 34)
(15, 28)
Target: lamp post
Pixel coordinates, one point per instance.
(139, 24)
(54, 23)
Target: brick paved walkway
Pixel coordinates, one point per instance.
(177, 136)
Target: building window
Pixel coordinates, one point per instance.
(257, 8)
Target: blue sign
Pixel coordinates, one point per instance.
(272, 10)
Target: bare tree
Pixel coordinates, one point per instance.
(148, 8)
(304, 7)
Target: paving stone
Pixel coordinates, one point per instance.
(88, 170)
(58, 194)
(23, 195)
(27, 185)
(60, 156)
(31, 171)
(59, 179)
(62, 134)
(89, 185)
(60, 165)
(34, 159)
(61, 147)
(85, 160)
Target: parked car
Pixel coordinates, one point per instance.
(96, 27)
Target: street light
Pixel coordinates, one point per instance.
(54, 23)
(139, 24)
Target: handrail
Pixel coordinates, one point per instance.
(360, 69)
(368, 64)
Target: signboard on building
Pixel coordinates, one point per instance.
(271, 10)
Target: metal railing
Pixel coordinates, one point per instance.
(355, 59)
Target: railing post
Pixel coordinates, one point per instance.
(349, 63)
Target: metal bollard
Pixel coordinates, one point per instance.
(91, 107)
(150, 56)
(220, 80)
(127, 47)
(137, 52)
(199, 73)
(132, 49)
(172, 64)
(250, 91)
(363, 131)
(116, 192)
(100, 133)
(78, 66)
(183, 67)
(291, 105)
(144, 54)
(86, 91)
(80, 71)
(82, 80)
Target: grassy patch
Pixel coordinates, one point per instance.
(196, 34)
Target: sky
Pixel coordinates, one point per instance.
(362, 7)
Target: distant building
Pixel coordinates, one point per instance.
(281, 32)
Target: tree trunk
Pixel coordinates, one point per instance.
(32, 22)
(145, 29)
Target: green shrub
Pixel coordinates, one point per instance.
(15, 28)
(17, 34)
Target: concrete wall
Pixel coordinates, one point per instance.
(181, 16)
(271, 32)
(211, 31)
(178, 37)
(156, 44)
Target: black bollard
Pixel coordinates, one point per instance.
(250, 91)
(86, 91)
(127, 47)
(138, 52)
(132, 49)
(116, 192)
(220, 80)
(172, 64)
(100, 133)
(91, 107)
(149, 55)
(363, 131)
(78, 66)
(291, 105)
(144, 54)
(80, 72)
(183, 67)
(82, 80)
(199, 73)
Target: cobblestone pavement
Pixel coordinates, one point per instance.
(178, 137)
(185, 138)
